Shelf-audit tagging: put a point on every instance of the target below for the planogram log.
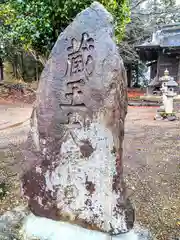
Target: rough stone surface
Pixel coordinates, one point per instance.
(171, 118)
(19, 224)
(158, 117)
(9, 222)
(46, 229)
(74, 149)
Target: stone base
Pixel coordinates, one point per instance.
(143, 104)
(172, 118)
(43, 228)
(158, 117)
(156, 98)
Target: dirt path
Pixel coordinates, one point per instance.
(151, 168)
(13, 123)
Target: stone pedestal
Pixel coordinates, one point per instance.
(45, 229)
(169, 105)
(20, 224)
(164, 99)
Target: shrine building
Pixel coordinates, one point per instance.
(163, 52)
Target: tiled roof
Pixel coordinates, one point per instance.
(166, 36)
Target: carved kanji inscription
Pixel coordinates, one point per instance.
(80, 57)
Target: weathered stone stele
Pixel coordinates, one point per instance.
(74, 149)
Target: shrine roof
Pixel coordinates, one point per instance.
(166, 36)
(172, 83)
(154, 82)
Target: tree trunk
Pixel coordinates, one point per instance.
(1, 70)
(15, 66)
(37, 69)
(22, 65)
(129, 75)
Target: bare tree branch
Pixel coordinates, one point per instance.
(157, 13)
(41, 59)
(137, 4)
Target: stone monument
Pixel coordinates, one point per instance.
(74, 149)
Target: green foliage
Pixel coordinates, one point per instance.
(36, 24)
(121, 13)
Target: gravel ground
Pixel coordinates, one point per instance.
(151, 170)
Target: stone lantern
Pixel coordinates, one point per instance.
(164, 80)
(170, 94)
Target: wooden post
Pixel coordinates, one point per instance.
(36, 68)
(22, 64)
(15, 66)
(1, 70)
(178, 74)
(137, 73)
(129, 75)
